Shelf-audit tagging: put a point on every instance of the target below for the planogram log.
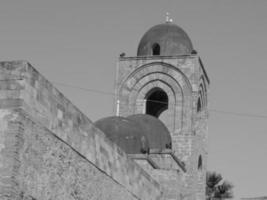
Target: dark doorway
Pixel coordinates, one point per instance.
(156, 102)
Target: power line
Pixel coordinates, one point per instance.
(211, 110)
(239, 114)
(85, 89)
(98, 91)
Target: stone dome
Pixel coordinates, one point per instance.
(124, 132)
(165, 39)
(156, 132)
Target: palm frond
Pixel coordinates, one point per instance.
(213, 179)
(216, 189)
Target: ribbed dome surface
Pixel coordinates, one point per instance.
(171, 39)
(156, 132)
(124, 132)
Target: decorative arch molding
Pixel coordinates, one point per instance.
(166, 78)
(203, 86)
(202, 80)
(157, 67)
(171, 80)
(202, 95)
(171, 87)
(172, 93)
(202, 92)
(200, 100)
(173, 111)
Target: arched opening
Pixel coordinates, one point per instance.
(156, 102)
(198, 105)
(156, 49)
(199, 165)
(203, 96)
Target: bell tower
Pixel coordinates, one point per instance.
(168, 81)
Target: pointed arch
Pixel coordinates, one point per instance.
(157, 101)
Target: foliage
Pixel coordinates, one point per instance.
(217, 188)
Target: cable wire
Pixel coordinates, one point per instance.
(211, 110)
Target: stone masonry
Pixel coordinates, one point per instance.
(50, 150)
(185, 82)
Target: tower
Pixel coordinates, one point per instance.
(168, 81)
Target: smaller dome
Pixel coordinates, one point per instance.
(124, 132)
(165, 39)
(156, 132)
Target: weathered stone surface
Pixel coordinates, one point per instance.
(49, 113)
(51, 150)
(10, 143)
(184, 81)
(51, 169)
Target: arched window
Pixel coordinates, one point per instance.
(156, 49)
(199, 165)
(198, 105)
(202, 93)
(156, 102)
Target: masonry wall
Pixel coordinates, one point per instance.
(201, 150)
(180, 77)
(47, 142)
(45, 167)
(173, 184)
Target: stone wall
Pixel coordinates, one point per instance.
(183, 79)
(46, 142)
(45, 167)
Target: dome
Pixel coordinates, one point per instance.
(156, 132)
(165, 39)
(127, 134)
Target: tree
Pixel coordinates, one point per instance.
(217, 188)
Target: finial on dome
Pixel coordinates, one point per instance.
(168, 19)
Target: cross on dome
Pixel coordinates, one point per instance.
(168, 19)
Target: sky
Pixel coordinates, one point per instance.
(78, 43)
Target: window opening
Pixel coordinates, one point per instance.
(156, 102)
(156, 49)
(198, 105)
(199, 166)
